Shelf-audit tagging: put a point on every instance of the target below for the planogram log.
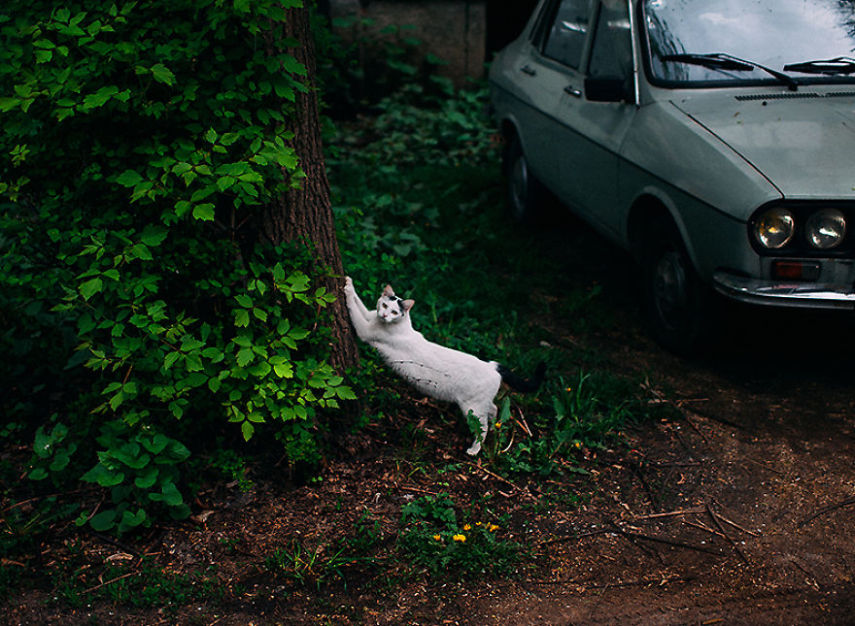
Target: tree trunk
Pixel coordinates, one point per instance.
(305, 214)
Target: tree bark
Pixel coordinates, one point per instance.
(305, 214)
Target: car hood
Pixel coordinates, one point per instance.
(803, 143)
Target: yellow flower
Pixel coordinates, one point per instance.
(477, 523)
(578, 444)
(467, 527)
(437, 537)
(498, 425)
(460, 538)
(492, 527)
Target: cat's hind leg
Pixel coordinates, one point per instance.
(485, 414)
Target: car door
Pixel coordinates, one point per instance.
(591, 129)
(558, 44)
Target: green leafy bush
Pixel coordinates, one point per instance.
(140, 146)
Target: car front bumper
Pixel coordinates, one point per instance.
(783, 293)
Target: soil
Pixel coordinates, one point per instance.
(736, 508)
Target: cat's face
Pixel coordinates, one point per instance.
(391, 308)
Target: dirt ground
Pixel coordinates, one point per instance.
(737, 509)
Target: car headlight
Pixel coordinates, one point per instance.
(826, 229)
(774, 229)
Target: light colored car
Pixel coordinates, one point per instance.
(715, 139)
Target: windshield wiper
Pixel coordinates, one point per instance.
(722, 61)
(839, 65)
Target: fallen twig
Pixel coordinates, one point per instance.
(418, 490)
(524, 424)
(703, 527)
(500, 478)
(764, 466)
(669, 513)
(109, 582)
(827, 509)
(669, 542)
(592, 533)
(715, 520)
(735, 525)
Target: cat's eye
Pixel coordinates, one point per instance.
(385, 306)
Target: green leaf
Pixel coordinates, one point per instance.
(7, 104)
(91, 287)
(153, 235)
(60, 461)
(162, 74)
(156, 443)
(129, 178)
(103, 476)
(42, 444)
(244, 300)
(171, 495)
(247, 430)
(345, 393)
(100, 97)
(204, 212)
(38, 473)
(170, 359)
(241, 318)
(245, 357)
(130, 520)
(147, 478)
(105, 520)
(284, 370)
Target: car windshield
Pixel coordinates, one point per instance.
(695, 42)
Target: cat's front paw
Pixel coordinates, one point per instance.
(474, 449)
(348, 285)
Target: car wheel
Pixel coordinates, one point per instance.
(524, 190)
(679, 305)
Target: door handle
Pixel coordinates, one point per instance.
(573, 91)
(527, 69)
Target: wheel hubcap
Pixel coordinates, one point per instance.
(669, 287)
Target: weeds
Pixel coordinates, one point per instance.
(303, 567)
(434, 539)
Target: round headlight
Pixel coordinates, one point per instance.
(775, 228)
(826, 229)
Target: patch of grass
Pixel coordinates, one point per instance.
(313, 568)
(436, 540)
(589, 414)
(140, 584)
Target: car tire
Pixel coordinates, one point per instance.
(679, 306)
(525, 193)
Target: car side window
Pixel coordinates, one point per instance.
(566, 37)
(611, 56)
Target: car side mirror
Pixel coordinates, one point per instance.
(607, 89)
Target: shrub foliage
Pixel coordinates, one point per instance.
(140, 145)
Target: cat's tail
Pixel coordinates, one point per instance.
(518, 382)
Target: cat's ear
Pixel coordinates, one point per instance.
(407, 304)
(389, 292)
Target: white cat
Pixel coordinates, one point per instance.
(440, 372)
